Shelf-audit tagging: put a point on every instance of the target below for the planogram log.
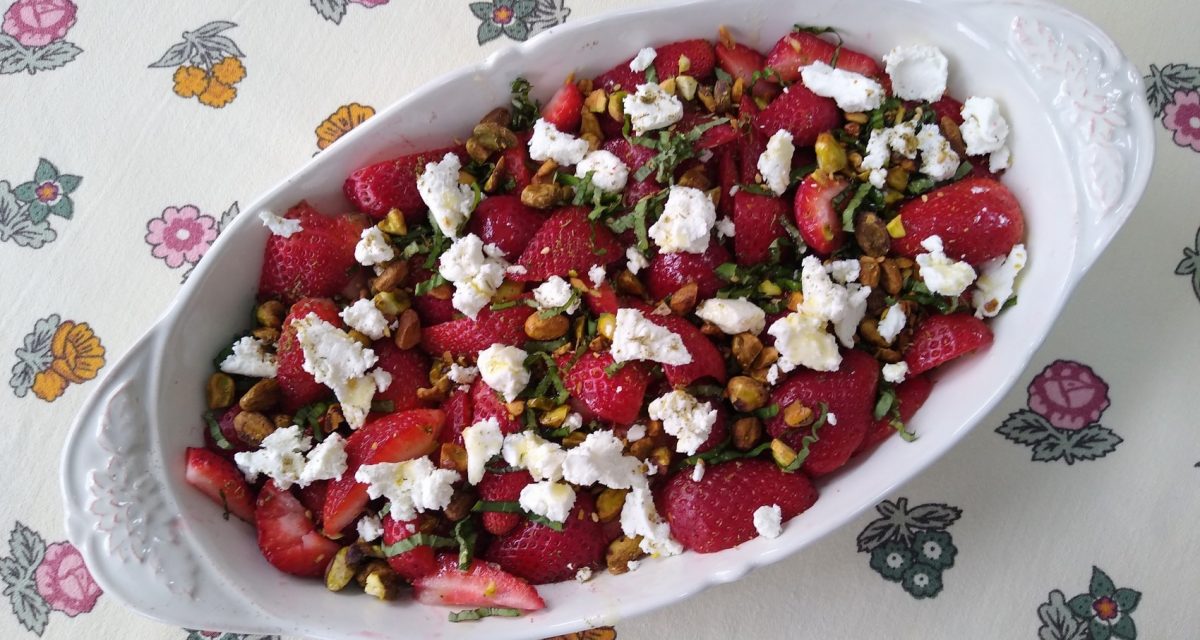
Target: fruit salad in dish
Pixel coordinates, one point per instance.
(645, 317)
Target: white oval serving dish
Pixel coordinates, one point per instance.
(1082, 144)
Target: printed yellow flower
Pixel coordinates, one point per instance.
(190, 81)
(78, 357)
(229, 71)
(340, 122)
(48, 385)
(218, 94)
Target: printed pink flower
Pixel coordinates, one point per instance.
(36, 23)
(1182, 117)
(369, 3)
(181, 234)
(64, 582)
(1068, 394)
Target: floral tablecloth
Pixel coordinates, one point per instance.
(132, 130)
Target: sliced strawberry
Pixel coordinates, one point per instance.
(220, 480)
(977, 219)
(633, 155)
(942, 338)
(602, 299)
(297, 386)
(817, 219)
(317, 261)
(433, 308)
(638, 189)
(617, 398)
(566, 241)
(226, 430)
(483, 584)
(502, 487)
(801, 112)
(910, 395)
(286, 534)
(414, 563)
(727, 177)
(313, 497)
(739, 61)
(707, 361)
(505, 222)
(409, 369)
(666, 64)
(562, 110)
(394, 437)
(713, 136)
(719, 431)
(467, 337)
(800, 49)
(516, 165)
(849, 393)
(488, 403)
(717, 512)
(750, 148)
(947, 107)
(758, 222)
(542, 555)
(459, 415)
(670, 271)
(392, 184)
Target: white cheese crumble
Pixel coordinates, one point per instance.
(548, 143)
(775, 162)
(733, 315)
(503, 369)
(459, 374)
(853, 92)
(636, 338)
(483, 441)
(918, 72)
(326, 461)
(643, 59)
(449, 202)
(278, 224)
(896, 372)
(892, 322)
(573, 422)
(363, 316)
(250, 358)
(555, 293)
(802, 340)
(650, 107)
(938, 159)
(768, 521)
(339, 362)
(995, 284)
(725, 227)
(831, 419)
(281, 458)
(640, 518)
(584, 574)
(527, 450)
(877, 156)
(985, 131)
(698, 471)
(822, 298)
(941, 274)
(844, 271)
(601, 458)
(634, 260)
(373, 248)
(412, 486)
(686, 221)
(684, 417)
(369, 528)
(551, 500)
(846, 325)
(635, 433)
(596, 275)
(475, 271)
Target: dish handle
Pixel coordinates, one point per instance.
(1099, 107)
(120, 513)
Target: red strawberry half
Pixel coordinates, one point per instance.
(414, 563)
(940, 339)
(910, 395)
(977, 219)
(819, 223)
(849, 394)
(488, 403)
(459, 415)
(483, 584)
(566, 241)
(467, 337)
(505, 222)
(220, 480)
(392, 184)
(800, 49)
(707, 361)
(717, 512)
(409, 369)
(502, 487)
(757, 221)
(666, 64)
(317, 261)
(295, 384)
(616, 398)
(800, 111)
(541, 555)
(562, 110)
(286, 534)
(670, 271)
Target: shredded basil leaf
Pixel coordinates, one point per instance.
(525, 111)
(465, 535)
(887, 398)
(508, 506)
(214, 430)
(807, 441)
(484, 612)
(419, 540)
(852, 206)
(767, 412)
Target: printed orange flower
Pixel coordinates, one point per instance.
(229, 71)
(48, 385)
(340, 122)
(77, 356)
(217, 95)
(190, 81)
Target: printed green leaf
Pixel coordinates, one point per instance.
(1025, 427)
(1101, 585)
(933, 516)
(37, 211)
(1055, 445)
(213, 28)
(1091, 442)
(52, 56)
(1127, 599)
(223, 45)
(19, 225)
(1124, 628)
(1081, 605)
(27, 192)
(228, 217)
(31, 609)
(26, 547)
(69, 183)
(1058, 622)
(522, 8)
(1100, 630)
(177, 55)
(46, 171)
(488, 31)
(876, 533)
(482, 10)
(331, 10)
(64, 208)
(11, 572)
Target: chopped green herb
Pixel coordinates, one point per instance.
(525, 111)
(920, 185)
(673, 148)
(383, 406)
(214, 430)
(612, 369)
(419, 540)
(509, 506)
(887, 397)
(603, 203)
(651, 74)
(722, 453)
(435, 281)
(756, 189)
(507, 304)
(464, 535)
(852, 206)
(767, 412)
(484, 612)
(833, 61)
(545, 346)
(807, 441)
(963, 169)
(544, 521)
(551, 378)
(723, 76)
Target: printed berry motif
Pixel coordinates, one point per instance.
(32, 36)
(335, 10)
(180, 236)
(1190, 265)
(517, 19)
(40, 578)
(207, 65)
(911, 546)
(340, 122)
(1102, 613)
(1173, 91)
(25, 210)
(193, 634)
(1066, 401)
(55, 354)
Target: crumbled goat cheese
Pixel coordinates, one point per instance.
(686, 221)
(635, 433)
(503, 369)
(733, 315)
(411, 487)
(634, 260)
(548, 143)
(896, 372)
(938, 160)
(551, 500)
(843, 271)
(601, 458)
(918, 72)
(684, 417)
(250, 358)
(650, 107)
(281, 457)
(278, 224)
(364, 317)
(636, 338)
(853, 92)
(369, 528)
(449, 202)
(995, 284)
(802, 340)
(483, 441)
(529, 451)
(698, 471)
(555, 293)
(941, 274)
(984, 129)
(339, 362)
(640, 518)
(643, 60)
(459, 374)
(775, 162)
(373, 248)
(476, 273)
(725, 227)
(596, 275)
(768, 521)
(892, 322)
